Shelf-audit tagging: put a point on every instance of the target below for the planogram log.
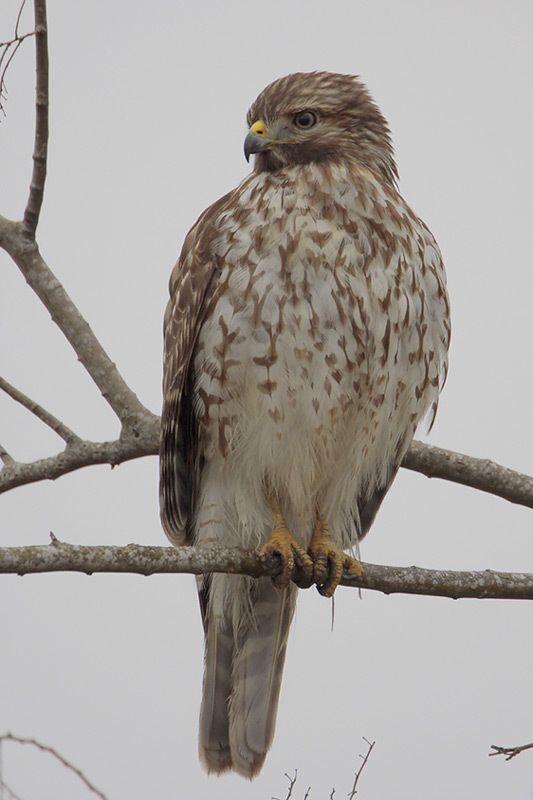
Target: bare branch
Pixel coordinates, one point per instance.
(510, 752)
(17, 38)
(478, 473)
(41, 413)
(144, 560)
(9, 737)
(135, 418)
(8, 51)
(18, 239)
(292, 781)
(481, 474)
(26, 255)
(361, 768)
(7, 56)
(12, 795)
(82, 454)
(19, 17)
(40, 147)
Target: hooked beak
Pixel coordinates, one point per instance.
(256, 139)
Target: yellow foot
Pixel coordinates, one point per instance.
(295, 563)
(329, 561)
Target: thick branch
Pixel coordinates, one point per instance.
(81, 454)
(478, 473)
(142, 560)
(41, 413)
(40, 147)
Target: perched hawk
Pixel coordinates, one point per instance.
(305, 338)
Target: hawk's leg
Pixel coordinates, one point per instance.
(294, 560)
(329, 560)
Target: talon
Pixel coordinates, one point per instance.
(295, 563)
(303, 577)
(329, 561)
(279, 546)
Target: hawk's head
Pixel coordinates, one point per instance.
(318, 116)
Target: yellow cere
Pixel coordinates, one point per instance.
(259, 128)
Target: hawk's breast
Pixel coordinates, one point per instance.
(326, 335)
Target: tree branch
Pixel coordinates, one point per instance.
(510, 752)
(41, 413)
(478, 473)
(91, 354)
(8, 51)
(12, 795)
(9, 737)
(82, 454)
(140, 427)
(143, 560)
(18, 240)
(364, 758)
(40, 148)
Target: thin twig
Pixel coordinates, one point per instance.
(361, 768)
(9, 737)
(5, 48)
(143, 560)
(40, 148)
(19, 16)
(41, 413)
(12, 795)
(8, 55)
(16, 39)
(292, 781)
(510, 752)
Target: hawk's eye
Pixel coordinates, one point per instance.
(305, 119)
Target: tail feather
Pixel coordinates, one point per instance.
(257, 673)
(242, 680)
(214, 747)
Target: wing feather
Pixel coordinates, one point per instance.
(191, 285)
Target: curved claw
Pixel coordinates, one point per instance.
(304, 573)
(329, 561)
(295, 563)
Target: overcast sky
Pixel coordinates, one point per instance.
(148, 104)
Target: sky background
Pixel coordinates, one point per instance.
(148, 104)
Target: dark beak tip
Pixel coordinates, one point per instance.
(253, 144)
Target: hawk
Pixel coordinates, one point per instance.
(306, 336)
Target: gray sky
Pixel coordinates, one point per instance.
(148, 102)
